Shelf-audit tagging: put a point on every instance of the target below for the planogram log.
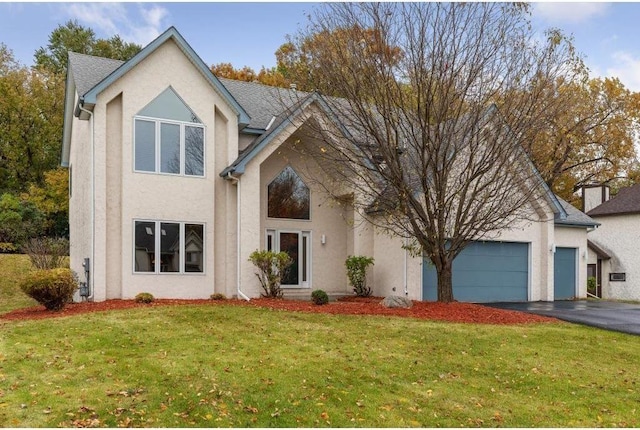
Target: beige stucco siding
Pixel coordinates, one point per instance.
(80, 202)
(391, 260)
(148, 196)
(328, 218)
(621, 235)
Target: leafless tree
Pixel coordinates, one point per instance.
(422, 131)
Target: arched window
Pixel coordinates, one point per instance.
(169, 137)
(288, 196)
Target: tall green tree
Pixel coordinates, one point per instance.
(74, 37)
(31, 105)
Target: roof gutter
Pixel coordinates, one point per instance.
(236, 181)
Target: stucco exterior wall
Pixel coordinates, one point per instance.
(80, 201)
(155, 197)
(391, 260)
(327, 218)
(620, 234)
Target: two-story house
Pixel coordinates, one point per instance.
(176, 176)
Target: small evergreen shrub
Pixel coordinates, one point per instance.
(271, 268)
(218, 296)
(357, 274)
(52, 288)
(591, 285)
(319, 297)
(144, 298)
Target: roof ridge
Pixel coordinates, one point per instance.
(96, 56)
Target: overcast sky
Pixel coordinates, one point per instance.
(608, 34)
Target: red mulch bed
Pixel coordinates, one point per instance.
(453, 312)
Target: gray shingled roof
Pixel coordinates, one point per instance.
(575, 217)
(627, 201)
(262, 102)
(88, 70)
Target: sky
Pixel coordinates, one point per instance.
(248, 34)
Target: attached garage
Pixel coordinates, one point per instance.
(485, 272)
(564, 273)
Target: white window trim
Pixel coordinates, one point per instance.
(157, 161)
(275, 241)
(156, 232)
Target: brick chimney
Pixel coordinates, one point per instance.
(594, 195)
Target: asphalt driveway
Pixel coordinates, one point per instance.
(623, 317)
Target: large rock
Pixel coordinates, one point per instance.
(396, 302)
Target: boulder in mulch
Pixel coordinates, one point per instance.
(396, 302)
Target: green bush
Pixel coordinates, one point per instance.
(218, 296)
(591, 285)
(271, 267)
(52, 288)
(144, 298)
(357, 274)
(319, 297)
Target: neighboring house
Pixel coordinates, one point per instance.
(614, 259)
(176, 176)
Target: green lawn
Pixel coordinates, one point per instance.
(224, 365)
(13, 267)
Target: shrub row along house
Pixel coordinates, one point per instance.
(176, 176)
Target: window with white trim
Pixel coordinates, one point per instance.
(298, 245)
(168, 137)
(168, 247)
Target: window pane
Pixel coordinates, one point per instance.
(194, 151)
(194, 248)
(305, 242)
(169, 148)
(169, 106)
(289, 244)
(288, 196)
(145, 143)
(169, 247)
(145, 246)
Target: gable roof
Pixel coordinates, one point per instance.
(88, 70)
(88, 76)
(90, 96)
(575, 217)
(627, 201)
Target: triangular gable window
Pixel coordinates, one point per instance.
(288, 196)
(168, 105)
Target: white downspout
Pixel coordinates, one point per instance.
(93, 204)
(406, 291)
(238, 241)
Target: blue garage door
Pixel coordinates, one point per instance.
(564, 273)
(484, 272)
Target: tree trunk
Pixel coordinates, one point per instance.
(445, 284)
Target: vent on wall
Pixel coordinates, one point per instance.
(617, 276)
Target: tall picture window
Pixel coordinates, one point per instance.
(168, 137)
(288, 196)
(168, 247)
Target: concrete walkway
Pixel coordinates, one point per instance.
(622, 317)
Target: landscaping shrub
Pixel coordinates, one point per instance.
(144, 298)
(357, 274)
(218, 296)
(8, 248)
(591, 285)
(52, 288)
(319, 297)
(271, 266)
(47, 252)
